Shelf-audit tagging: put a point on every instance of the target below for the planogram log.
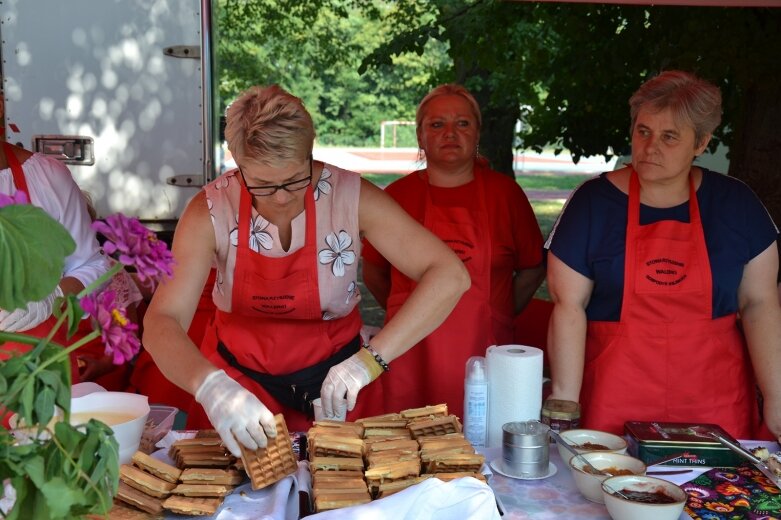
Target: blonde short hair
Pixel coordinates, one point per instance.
(270, 126)
(449, 89)
(693, 101)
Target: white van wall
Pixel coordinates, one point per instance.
(97, 69)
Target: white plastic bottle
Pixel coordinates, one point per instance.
(476, 401)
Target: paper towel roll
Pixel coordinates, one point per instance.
(514, 387)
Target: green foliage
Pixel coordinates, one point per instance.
(33, 247)
(59, 472)
(73, 473)
(314, 51)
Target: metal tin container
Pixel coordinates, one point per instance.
(561, 415)
(649, 441)
(525, 449)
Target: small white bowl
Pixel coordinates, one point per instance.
(590, 484)
(123, 412)
(622, 509)
(577, 438)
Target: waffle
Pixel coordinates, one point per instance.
(326, 482)
(327, 502)
(457, 462)
(156, 467)
(333, 446)
(337, 474)
(407, 445)
(211, 476)
(391, 472)
(402, 432)
(458, 474)
(139, 499)
(268, 465)
(384, 457)
(202, 490)
(335, 464)
(427, 456)
(425, 427)
(348, 429)
(144, 481)
(388, 488)
(437, 410)
(120, 511)
(192, 505)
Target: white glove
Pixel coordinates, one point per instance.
(31, 316)
(346, 379)
(235, 412)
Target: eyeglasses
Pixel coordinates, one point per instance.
(265, 191)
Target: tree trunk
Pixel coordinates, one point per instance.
(497, 134)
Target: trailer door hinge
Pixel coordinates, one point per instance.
(185, 180)
(183, 51)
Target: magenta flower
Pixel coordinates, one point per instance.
(136, 246)
(19, 197)
(117, 331)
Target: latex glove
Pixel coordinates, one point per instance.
(344, 381)
(31, 316)
(235, 413)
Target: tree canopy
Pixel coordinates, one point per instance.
(566, 71)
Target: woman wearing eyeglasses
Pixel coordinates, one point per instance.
(284, 232)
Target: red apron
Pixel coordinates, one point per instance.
(432, 372)
(42, 330)
(667, 359)
(276, 324)
(146, 378)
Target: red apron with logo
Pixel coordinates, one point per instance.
(276, 324)
(42, 330)
(432, 372)
(667, 359)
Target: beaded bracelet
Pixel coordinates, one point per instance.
(377, 357)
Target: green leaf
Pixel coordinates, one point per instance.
(26, 401)
(60, 497)
(33, 247)
(44, 405)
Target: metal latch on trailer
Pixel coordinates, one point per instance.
(70, 149)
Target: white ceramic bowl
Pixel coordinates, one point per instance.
(578, 438)
(123, 412)
(623, 509)
(590, 484)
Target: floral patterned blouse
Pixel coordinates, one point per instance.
(338, 244)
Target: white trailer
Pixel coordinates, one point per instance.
(121, 91)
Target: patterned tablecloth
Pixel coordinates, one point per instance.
(557, 497)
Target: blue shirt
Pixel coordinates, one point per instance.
(590, 237)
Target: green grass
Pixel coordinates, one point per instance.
(550, 181)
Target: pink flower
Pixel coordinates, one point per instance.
(136, 246)
(118, 333)
(19, 197)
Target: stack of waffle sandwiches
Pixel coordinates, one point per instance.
(354, 463)
(203, 475)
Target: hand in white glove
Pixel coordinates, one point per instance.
(30, 316)
(235, 412)
(346, 379)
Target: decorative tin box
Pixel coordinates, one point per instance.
(650, 441)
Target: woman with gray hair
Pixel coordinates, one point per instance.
(284, 232)
(649, 267)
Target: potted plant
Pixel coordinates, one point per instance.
(57, 470)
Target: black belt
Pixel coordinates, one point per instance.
(297, 389)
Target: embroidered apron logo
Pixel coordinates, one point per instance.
(665, 268)
(274, 304)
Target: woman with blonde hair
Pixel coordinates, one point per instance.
(284, 231)
(486, 219)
